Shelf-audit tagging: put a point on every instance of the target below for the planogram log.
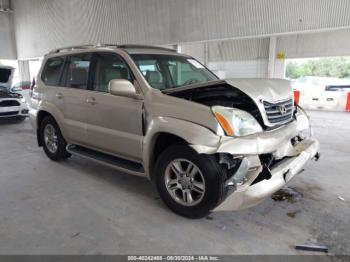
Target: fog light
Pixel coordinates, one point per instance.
(25, 111)
(240, 175)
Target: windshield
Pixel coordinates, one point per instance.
(167, 71)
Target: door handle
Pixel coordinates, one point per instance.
(91, 100)
(59, 95)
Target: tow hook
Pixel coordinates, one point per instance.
(316, 157)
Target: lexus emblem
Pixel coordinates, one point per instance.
(282, 110)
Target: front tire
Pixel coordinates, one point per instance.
(52, 140)
(190, 184)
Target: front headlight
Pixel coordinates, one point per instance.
(236, 122)
(23, 100)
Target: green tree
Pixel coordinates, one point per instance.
(327, 67)
(293, 70)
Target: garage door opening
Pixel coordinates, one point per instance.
(321, 83)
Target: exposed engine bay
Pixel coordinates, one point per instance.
(220, 95)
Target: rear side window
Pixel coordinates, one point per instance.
(76, 73)
(52, 71)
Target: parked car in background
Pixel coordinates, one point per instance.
(21, 86)
(208, 144)
(322, 93)
(338, 87)
(317, 84)
(12, 104)
(6, 77)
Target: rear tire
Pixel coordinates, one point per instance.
(52, 140)
(190, 184)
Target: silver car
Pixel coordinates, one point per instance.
(208, 144)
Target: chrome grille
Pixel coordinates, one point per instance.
(280, 112)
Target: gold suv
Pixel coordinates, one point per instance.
(208, 144)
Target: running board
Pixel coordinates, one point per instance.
(118, 163)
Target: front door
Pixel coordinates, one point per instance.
(114, 123)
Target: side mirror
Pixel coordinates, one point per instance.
(122, 87)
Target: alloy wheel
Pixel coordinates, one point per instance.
(184, 182)
(50, 138)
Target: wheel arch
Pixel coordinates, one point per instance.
(160, 142)
(163, 132)
(40, 117)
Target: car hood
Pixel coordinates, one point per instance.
(245, 94)
(270, 90)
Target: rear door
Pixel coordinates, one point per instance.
(72, 95)
(114, 123)
(48, 87)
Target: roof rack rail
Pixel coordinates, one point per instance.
(146, 47)
(106, 45)
(88, 46)
(68, 48)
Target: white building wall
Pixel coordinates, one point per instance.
(241, 49)
(197, 50)
(335, 43)
(232, 58)
(42, 25)
(7, 40)
(240, 69)
(250, 57)
(232, 37)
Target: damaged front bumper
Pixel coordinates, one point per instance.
(249, 194)
(256, 178)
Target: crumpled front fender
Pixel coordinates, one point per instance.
(262, 143)
(198, 137)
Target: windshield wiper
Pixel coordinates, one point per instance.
(190, 82)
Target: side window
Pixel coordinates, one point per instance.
(52, 71)
(150, 69)
(77, 71)
(108, 67)
(148, 66)
(182, 73)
